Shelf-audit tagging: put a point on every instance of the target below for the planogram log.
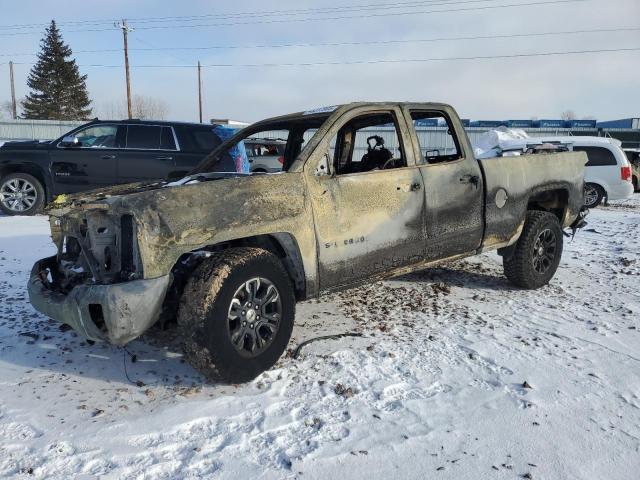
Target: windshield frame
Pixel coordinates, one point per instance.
(287, 122)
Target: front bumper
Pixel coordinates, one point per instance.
(116, 313)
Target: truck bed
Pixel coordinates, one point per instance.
(517, 180)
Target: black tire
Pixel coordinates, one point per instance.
(36, 194)
(593, 195)
(205, 311)
(525, 266)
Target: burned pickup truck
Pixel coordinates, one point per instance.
(363, 196)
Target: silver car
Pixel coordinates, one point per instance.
(265, 154)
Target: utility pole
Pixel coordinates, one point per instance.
(125, 32)
(200, 90)
(14, 109)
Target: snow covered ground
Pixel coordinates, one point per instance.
(457, 375)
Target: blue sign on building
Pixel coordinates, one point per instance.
(519, 123)
(627, 123)
(551, 123)
(426, 122)
(488, 123)
(580, 124)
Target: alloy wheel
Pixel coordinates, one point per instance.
(590, 195)
(254, 316)
(544, 251)
(18, 195)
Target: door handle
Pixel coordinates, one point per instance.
(164, 157)
(414, 187)
(472, 179)
(108, 157)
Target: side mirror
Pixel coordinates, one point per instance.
(70, 141)
(322, 168)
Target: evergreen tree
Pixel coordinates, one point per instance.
(58, 91)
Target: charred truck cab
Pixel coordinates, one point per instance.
(228, 254)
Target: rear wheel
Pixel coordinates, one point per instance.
(593, 195)
(236, 314)
(534, 259)
(21, 194)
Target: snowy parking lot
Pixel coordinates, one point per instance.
(452, 373)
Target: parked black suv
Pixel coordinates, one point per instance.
(97, 154)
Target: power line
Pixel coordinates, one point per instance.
(366, 62)
(152, 48)
(316, 19)
(317, 11)
(373, 15)
(320, 10)
(231, 15)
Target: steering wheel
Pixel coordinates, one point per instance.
(389, 163)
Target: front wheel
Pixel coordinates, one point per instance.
(21, 194)
(236, 314)
(534, 259)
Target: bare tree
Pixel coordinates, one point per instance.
(111, 111)
(142, 107)
(6, 109)
(568, 115)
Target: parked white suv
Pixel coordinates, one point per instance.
(265, 154)
(607, 173)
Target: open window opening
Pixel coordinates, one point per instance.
(369, 142)
(436, 136)
(278, 143)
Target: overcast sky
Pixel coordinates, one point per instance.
(603, 85)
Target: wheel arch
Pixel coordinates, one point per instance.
(554, 200)
(283, 245)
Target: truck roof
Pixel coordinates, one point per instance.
(166, 123)
(328, 110)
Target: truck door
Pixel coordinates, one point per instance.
(90, 163)
(149, 154)
(454, 190)
(369, 208)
